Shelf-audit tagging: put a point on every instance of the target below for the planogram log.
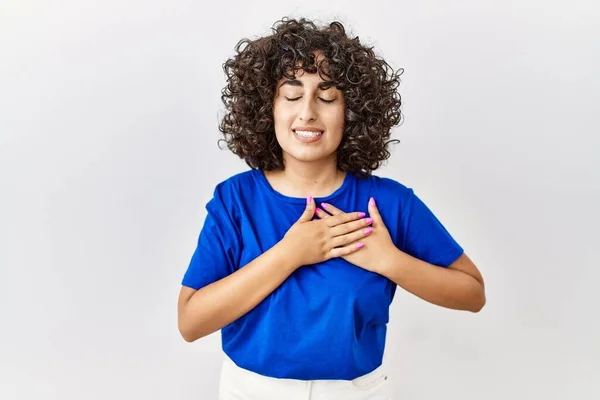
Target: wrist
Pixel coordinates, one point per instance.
(286, 254)
(391, 262)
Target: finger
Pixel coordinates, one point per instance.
(351, 226)
(309, 211)
(374, 211)
(351, 237)
(331, 209)
(321, 214)
(343, 218)
(344, 251)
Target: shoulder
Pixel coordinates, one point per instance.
(388, 187)
(233, 186)
(237, 191)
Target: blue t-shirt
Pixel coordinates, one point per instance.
(326, 320)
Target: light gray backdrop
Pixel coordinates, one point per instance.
(108, 154)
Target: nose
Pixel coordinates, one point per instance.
(308, 112)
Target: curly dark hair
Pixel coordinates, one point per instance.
(368, 83)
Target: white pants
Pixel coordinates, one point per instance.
(239, 384)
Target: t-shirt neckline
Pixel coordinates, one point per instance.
(302, 200)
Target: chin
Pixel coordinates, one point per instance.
(309, 156)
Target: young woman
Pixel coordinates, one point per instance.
(300, 256)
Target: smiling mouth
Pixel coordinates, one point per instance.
(307, 134)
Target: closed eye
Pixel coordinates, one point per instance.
(320, 98)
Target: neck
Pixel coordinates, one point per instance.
(301, 179)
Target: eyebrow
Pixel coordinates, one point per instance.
(295, 82)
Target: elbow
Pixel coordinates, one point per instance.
(478, 302)
(187, 336)
(189, 325)
(188, 332)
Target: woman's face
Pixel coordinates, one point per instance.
(309, 119)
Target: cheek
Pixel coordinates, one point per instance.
(282, 124)
(282, 117)
(336, 120)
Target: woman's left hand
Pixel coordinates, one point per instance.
(378, 251)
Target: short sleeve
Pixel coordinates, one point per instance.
(424, 235)
(217, 252)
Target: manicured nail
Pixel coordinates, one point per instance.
(308, 200)
(359, 245)
(361, 214)
(324, 205)
(318, 211)
(369, 221)
(371, 201)
(367, 231)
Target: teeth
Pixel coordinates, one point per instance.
(308, 134)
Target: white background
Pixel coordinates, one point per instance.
(108, 154)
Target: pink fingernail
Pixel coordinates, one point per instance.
(361, 214)
(359, 245)
(324, 205)
(308, 200)
(317, 210)
(367, 231)
(369, 221)
(371, 201)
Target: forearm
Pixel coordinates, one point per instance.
(444, 287)
(224, 301)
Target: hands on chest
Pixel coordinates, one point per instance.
(378, 245)
(364, 242)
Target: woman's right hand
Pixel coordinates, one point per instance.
(310, 242)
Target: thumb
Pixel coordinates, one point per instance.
(309, 211)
